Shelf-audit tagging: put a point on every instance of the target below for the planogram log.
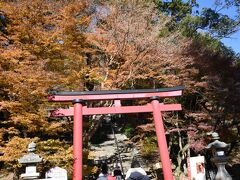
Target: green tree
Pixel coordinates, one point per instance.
(209, 20)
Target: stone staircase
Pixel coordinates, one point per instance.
(108, 151)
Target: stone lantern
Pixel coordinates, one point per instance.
(218, 149)
(30, 160)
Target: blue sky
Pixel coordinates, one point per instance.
(234, 40)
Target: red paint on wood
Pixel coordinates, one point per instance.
(116, 110)
(77, 142)
(162, 142)
(117, 103)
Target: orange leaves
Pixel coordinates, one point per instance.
(39, 57)
(11, 106)
(42, 51)
(13, 53)
(14, 150)
(133, 46)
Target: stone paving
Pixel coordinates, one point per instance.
(108, 150)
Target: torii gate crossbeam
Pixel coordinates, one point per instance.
(78, 98)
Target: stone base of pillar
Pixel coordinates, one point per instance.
(222, 173)
(30, 176)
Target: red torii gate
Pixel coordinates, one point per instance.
(78, 98)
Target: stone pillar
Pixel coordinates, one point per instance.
(30, 160)
(219, 158)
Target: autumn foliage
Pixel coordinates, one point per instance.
(42, 49)
(77, 45)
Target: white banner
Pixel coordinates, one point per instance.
(196, 168)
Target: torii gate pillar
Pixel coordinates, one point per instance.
(162, 143)
(77, 139)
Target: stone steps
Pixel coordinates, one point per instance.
(108, 150)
